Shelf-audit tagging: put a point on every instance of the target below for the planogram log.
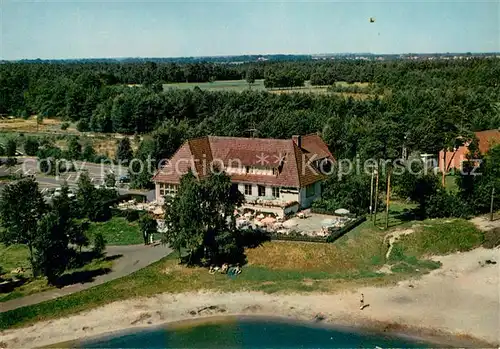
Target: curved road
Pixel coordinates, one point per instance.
(133, 258)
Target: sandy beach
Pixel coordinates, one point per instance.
(456, 304)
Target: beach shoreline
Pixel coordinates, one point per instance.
(455, 305)
(431, 337)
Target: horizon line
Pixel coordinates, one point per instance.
(258, 55)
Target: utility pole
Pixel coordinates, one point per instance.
(376, 197)
(371, 194)
(388, 198)
(491, 205)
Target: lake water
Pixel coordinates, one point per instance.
(234, 332)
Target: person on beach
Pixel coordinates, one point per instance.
(362, 302)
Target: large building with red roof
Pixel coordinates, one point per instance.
(270, 172)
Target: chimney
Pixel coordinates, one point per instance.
(297, 140)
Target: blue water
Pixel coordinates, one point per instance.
(250, 333)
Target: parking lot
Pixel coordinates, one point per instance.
(97, 173)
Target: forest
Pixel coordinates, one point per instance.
(425, 103)
(419, 106)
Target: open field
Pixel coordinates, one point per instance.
(355, 260)
(227, 85)
(118, 231)
(103, 144)
(30, 125)
(242, 85)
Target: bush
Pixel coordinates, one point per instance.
(31, 146)
(99, 244)
(444, 204)
(83, 125)
(131, 215)
(64, 126)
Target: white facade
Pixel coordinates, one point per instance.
(304, 196)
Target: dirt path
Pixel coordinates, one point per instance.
(133, 258)
(483, 223)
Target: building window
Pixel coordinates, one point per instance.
(248, 189)
(276, 192)
(168, 189)
(310, 191)
(262, 190)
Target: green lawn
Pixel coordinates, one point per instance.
(15, 256)
(451, 183)
(118, 231)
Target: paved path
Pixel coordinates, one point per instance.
(134, 257)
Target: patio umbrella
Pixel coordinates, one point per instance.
(342, 211)
(268, 220)
(327, 222)
(260, 216)
(289, 224)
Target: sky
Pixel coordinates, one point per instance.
(105, 29)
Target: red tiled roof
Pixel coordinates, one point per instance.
(487, 139)
(198, 154)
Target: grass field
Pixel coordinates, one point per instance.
(242, 85)
(353, 260)
(29, 125)
(226, 85)
(15, 256)
(118, 231)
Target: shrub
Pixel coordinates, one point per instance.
(83, 125)
(31, 146)
(132, 215)
(444, 204)
(99, 244)
(64, 126)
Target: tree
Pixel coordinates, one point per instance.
(251, 76)
(39, 121)
(148, 226)
(350, 192)
(110, 180)
(31, 146)
(52, 253)
(200, 218)
(92, 202)
(124, 153)
(21, 208)
(89, 153)
(74, 149)
(10, 148)
(141, 170)
(99, 244)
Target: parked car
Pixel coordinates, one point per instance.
(124, 179)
